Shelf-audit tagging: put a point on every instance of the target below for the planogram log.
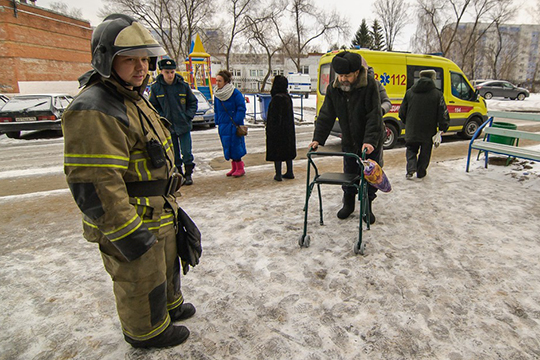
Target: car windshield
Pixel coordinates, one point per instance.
(20, 103)
(203, 103)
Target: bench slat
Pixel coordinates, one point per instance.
(506, 150)
(512, 133)
(513, 115)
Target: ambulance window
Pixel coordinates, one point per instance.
(460, 87)
(413, 75)
(326, 75)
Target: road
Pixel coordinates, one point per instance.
(34, 163)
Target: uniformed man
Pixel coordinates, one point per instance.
(119, 165)
(173, 99)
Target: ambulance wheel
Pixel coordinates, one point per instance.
(391, 136)
(304, 241)
(470, 128)
(359, 249)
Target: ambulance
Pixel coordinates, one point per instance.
(397, 72)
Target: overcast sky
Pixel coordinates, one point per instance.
(352, 10)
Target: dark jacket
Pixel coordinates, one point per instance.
(280, 134)
(234, 147)
(174, 102)
(422, 110)
(358, 111)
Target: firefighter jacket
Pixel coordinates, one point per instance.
(174, 102)
(107, 129)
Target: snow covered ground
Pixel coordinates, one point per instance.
(450, 272)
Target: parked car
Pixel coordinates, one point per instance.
(3, 100)
(205, 111)
(500, 88)
(33, 112)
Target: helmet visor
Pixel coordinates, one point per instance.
(153, 51)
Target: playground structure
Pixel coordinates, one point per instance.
(198, 69)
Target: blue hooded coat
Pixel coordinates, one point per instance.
(234, 147)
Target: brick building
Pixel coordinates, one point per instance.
(39, 45)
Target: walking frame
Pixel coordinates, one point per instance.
(356, 180)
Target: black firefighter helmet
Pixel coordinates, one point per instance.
(120, 34)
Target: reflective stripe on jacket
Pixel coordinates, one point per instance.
(106, 129)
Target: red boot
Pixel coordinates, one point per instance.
(239, 169)
(233, 168)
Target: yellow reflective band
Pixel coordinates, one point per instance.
(123, 226)
(175, 304)
(97, 165)
(96, 156)
(160, 95)
(126, 234)
(148, 173)
(90, 224)
(152, 333)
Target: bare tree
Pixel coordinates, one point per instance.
(297, 38)
(238, 10)
(503, 52)
(61, 7)
(264, 34)
(176, 22)
(394, 16)
(445, 17)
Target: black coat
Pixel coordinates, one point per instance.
(422, 110)
(280, 134)
(359, 113)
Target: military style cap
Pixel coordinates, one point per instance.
(346, 62)
(120, 34)
(167, 64)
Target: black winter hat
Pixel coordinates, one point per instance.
(167, 64)
(346, 62)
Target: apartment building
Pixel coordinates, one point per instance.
(512, 56)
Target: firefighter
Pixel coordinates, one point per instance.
(119, 165)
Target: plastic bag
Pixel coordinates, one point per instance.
(437, 138)
(374, 174)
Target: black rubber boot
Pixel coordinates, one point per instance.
(349, 200)
(172, 336)
(189, 171)
(277, 167)
(183, 312)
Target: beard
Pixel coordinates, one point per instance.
(345, 86)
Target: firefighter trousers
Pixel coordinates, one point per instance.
(147, 288)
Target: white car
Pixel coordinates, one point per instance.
(205, 111)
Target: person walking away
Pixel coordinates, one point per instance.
(121, 175)
(230, 111)
(423, 110)
(353, 98)
(280, 134)
(173, 99)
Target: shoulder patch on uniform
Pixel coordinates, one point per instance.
(98, 97)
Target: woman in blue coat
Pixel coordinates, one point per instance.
(230, 109)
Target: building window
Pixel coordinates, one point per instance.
(237, 85)
(304, 69)
(252, 73)
(236, 73)
(277, 72)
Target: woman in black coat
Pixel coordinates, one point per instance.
(280, 135)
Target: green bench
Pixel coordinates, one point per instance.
(510, 148)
